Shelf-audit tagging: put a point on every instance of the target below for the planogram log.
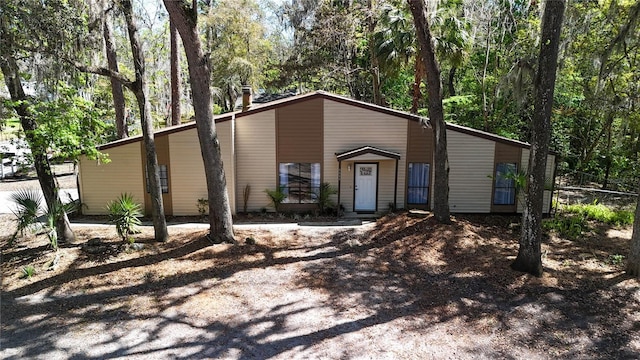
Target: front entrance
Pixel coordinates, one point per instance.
(366, 186)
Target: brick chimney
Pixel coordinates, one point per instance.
(246, 97)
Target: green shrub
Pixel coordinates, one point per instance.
(29, 209)
(28, 271)
(276, 197)
(615, 259)
(324, 197)
(571, 221)
(601, 213)
(125, 214)
(570, 227)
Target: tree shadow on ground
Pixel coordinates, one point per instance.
(407, 272)
(460, 274)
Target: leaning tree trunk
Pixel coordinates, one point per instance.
(41, 162)
(175, 75)
(529, 253)
(116, 88)
(185, 19)
(140, 89)
(633, 260)
(436, 111)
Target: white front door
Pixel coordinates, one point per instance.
(366, 186)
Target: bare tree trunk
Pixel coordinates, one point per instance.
(140, 89)
(185, 19)
(116, 88)
(485, 107)
(529, 257)
(607, 169)
(451, 83)
(436, 111)
(47, 181)
(633, 260)
(418, 72)
(175, 75)
(375, 66)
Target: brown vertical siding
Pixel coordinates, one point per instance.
(299, 138)
(419, 149)
(162, 151)
(505, 153)
(299, 132)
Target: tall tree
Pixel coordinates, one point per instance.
(185, 18)
(175, 74)
(633, 260)
(140, 89)
(529, 253)
(41, 162)
(436, 111)
(16, 20)
(372, 19)
(116, 88)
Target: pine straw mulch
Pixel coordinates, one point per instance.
(404, 287)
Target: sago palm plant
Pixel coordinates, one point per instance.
(125, 214)
(28, 209)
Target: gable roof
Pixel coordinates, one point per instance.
(350, 154)
(256, 108)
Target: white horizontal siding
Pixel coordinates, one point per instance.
(347, 127)
(255, 148)
(471, 167)
(102, 183)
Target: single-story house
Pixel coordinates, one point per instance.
(376, 157)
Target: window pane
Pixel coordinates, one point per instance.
(164, 178)
(505, 191)
(418, 183)
(417, 195)
(299, 181)
(504, 196)
(283, 174)
(310, 192)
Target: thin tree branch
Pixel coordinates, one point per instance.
(128, 83)
(634, 13)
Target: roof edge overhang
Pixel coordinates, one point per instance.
(330, 96)
(366, 150)
(164, 131)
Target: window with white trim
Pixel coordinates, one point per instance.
(300, 182)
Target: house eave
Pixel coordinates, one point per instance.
(357, 152)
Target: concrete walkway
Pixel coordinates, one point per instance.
(241, 226)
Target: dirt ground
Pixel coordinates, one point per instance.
(402, 287)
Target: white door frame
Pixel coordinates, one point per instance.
(355, 187)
